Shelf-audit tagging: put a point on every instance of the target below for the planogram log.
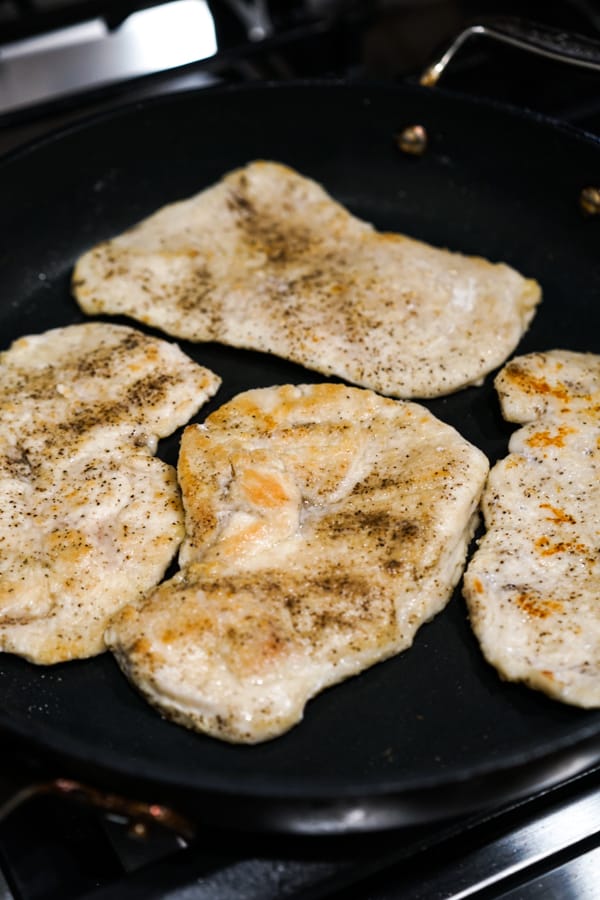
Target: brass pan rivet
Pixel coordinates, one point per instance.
(138, 830)
(412, 140)
(589, 201)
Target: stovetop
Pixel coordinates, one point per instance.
(381, 40)
(547, 846)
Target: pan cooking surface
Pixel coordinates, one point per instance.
(492, 183)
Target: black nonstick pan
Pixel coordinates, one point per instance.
(433, 732)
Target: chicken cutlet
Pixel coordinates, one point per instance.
(533, 586)
(324, 525)
(267, 260)
(89, 518)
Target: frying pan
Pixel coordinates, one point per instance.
(433, 732)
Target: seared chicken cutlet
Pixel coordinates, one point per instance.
(267, 260)
(89, 519)
(533, 586)
(324, 525)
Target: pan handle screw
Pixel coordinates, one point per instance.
(412, 140)
(589, 201)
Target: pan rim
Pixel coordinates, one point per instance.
(124, 108)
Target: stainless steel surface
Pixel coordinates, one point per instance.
(89, 56)
(577, 879)
(539, 848)
(528, 36)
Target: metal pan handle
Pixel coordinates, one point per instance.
(21, 788)
(542, 40)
